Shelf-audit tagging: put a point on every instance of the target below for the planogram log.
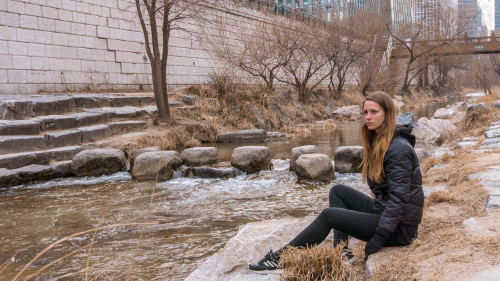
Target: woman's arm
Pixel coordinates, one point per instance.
(397, 167)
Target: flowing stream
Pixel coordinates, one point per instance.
(193, 218)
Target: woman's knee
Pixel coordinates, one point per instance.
(336, 190)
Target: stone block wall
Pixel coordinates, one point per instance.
(74, 45)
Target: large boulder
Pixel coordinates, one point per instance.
(348, 159)
(139, 151)
(444, 113)
(480, 107)
(398, 103)
(316, 167)
(441, 126)
(424, 134)
(251, 159)
(256, 118)
(249, 245)
(198, 156)
(97, 162)
(147, 165)
(297, 151)
(254, 135)
(209, 172)
(350, 111)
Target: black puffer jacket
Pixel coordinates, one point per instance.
(399, 199)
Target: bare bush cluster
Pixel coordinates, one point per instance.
(304, 55)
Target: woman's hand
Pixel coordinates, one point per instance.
(375, 243)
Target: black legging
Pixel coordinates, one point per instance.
(350, 213)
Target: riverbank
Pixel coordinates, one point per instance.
(183, 237)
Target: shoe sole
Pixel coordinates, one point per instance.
(267, 271)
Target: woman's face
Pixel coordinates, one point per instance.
(374, 115)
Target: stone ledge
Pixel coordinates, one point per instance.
(15, 144)
(64, 138)
(18, 160)
(21, 127)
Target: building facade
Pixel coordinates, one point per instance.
(470, 17)
(497, 16)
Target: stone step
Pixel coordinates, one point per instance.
(44, 157)
(34, 172)
(15, 144)
(23, 107)
(22, 127)
(71, 121)
(96, 132)
(125, 126)
(63, 138)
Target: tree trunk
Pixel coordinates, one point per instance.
(163, 111)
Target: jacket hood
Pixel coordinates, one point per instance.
(405, 132)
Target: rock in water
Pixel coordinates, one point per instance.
(98, 162)
(147, 165)
(251, 159)
(198, 156)
(317, 167)
(297, 151)
(348, 159)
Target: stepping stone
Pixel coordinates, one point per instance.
(88, 118)
(348, 159)
(33, 173)
(274, 136)
(297, 151)
(150, 164)
(65, 138)
(56, 122)
(98, 162)
(209, 172)
(140, 151)
(21, 127)
(198, 156)
(120, 127)
(249, 136)
(15, 144)
(91, 133)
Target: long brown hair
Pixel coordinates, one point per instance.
(376, 145)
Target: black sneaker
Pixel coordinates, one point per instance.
(269, 262)
(349, 255)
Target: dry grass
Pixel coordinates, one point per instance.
(178, 136)
(316, 263)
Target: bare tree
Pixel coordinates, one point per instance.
(346, 44)
(261, 53)
(307, 68)
(441, 25)
(158, 19)
(495, 62)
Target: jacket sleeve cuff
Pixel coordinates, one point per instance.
(383, 232)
